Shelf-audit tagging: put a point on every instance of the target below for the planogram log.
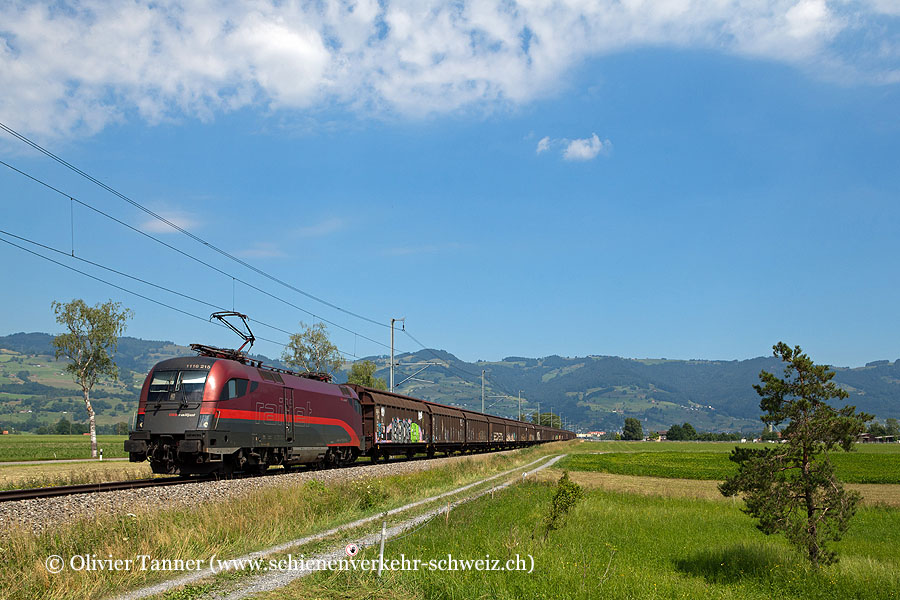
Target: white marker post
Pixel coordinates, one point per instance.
(381, 552)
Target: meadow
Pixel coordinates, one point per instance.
(850, 467)
(52, 447)
(258, 520)
(647, 542)
(616, 545)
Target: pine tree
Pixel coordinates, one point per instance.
(792, 488)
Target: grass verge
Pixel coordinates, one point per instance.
(616, 545)
(227, 529)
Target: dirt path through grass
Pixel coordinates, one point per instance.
(277, 579)
(872, 493)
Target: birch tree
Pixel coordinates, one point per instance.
(90, 341)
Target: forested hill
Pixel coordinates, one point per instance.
(593, 393)
(598, 392)
(133, 354)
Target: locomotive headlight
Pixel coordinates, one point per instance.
(139, 424)
(203, 423)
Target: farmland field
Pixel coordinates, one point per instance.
(851, 467)
(617, 545)
(51, 447)
(614, 544)
(725, 447)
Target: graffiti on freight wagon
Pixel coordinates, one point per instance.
(399, 431)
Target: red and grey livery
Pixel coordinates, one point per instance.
(221, 412)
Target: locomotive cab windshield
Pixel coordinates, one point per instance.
(176, 389)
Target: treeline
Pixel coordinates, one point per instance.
(59, 405)
(891, 427)
(686, 432)
(30, 388)
(65, 427)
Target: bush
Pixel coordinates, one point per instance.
(567, 495)
(369, 494)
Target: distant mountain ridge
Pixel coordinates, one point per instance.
(598, 392)
(592, 393)
(134, 354)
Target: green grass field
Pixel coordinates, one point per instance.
(613, 544)
(851, 467)
(260, 519)
(50, 447)
(621, 546)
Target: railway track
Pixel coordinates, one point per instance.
(111, 486)
(93, 488)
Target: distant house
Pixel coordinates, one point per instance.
(868, 438)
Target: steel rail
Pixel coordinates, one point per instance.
(92, 488)
(111, 486)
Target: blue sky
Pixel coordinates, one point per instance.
(667, 179)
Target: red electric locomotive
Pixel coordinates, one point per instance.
(222, 412)
(207, 414)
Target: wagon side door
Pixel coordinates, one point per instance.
(288, 415)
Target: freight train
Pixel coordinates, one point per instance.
(223, 412)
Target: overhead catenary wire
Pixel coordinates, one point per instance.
(135, 278)
(73, 199)
(199, 240)
(132, 292)
(194, 237)
(101, 280)
(451, 367)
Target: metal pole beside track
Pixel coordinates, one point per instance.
(381, 551)
(392, 375)
(392, 347)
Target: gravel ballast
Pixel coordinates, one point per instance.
(44, 514)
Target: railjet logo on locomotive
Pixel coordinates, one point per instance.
(223, 412)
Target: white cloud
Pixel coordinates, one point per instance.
(180, 218)
(77, 67)
(888, 7)
(577, 149)
(585, 149)
(322, 228)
